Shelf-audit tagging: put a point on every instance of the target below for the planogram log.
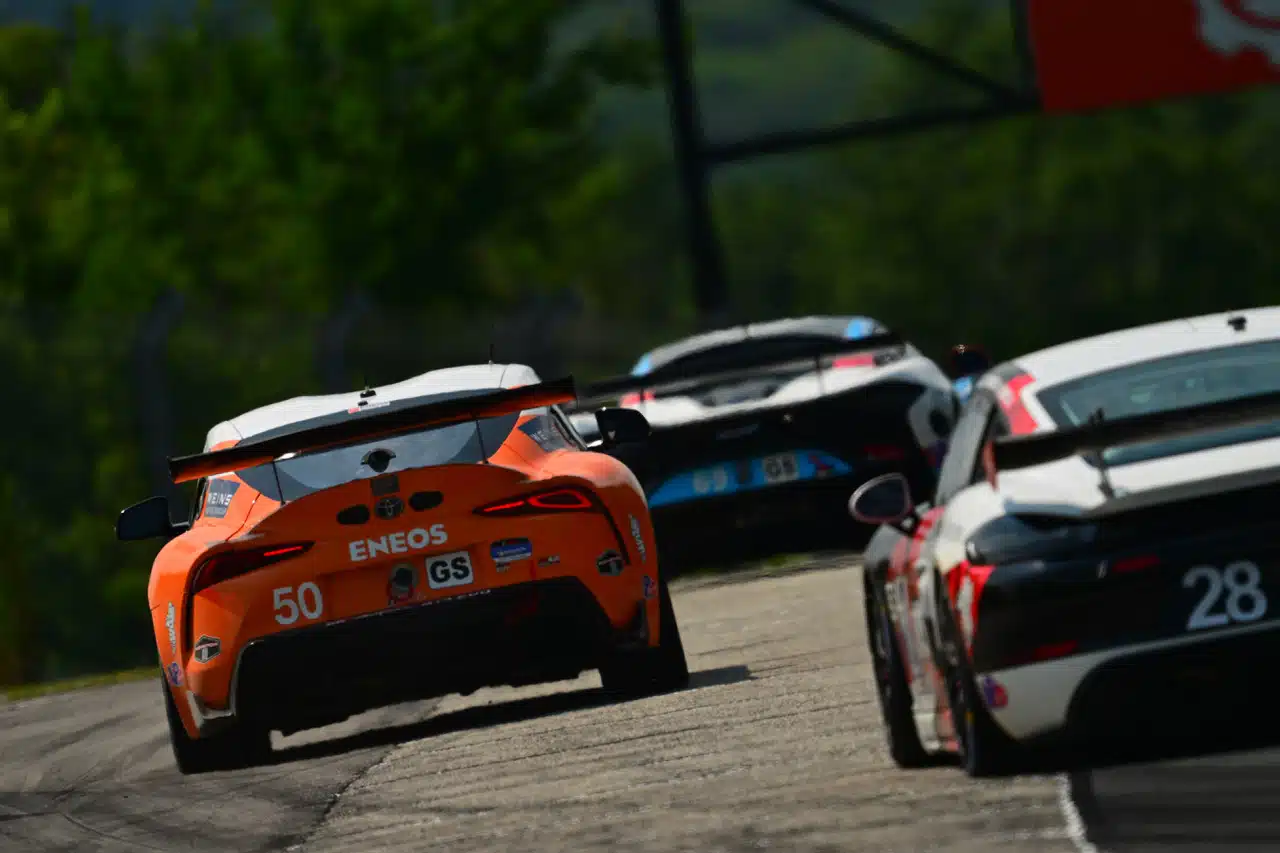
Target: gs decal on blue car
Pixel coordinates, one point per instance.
(748, 475)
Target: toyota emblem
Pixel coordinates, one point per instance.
(389, 508)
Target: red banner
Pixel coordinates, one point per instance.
(1092, 54)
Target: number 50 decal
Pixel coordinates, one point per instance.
(309, 603)
(1235, 587)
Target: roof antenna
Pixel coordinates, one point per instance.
(1095, 455)
(490, 352)
(1238, 322)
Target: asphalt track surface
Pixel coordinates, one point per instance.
(777, 746)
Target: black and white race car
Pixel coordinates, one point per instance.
(1101, 558)
(761, 431)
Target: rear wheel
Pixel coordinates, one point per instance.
(650, 671)
(985, 749)
(891, 687)
(231, 750)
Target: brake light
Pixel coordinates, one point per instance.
(884, 453)
(233, 564)
(1041, 654)
(1053, 651)
(868, 360)
(636, 399)
(1136, 564)
(555, 500)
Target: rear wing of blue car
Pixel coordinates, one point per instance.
(1026, 451)
(683, 378)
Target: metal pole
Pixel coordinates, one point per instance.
(710, 287)
(155, 405)
(1022, 44)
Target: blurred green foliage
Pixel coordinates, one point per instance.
(450, 162)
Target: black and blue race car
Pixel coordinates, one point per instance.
(762, 431)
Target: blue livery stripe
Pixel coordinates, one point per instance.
(860, 327)
(748, 475)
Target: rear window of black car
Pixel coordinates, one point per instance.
(730, 356)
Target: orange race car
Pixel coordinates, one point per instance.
(435, 536)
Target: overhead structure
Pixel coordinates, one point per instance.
(1077, 56)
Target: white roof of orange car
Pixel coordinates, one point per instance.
(463, 378)
(1087, 356)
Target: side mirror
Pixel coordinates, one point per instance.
(968, 360)
(147, 520)
(883, 500)
(622, 426)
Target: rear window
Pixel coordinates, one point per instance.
(470, 442)
(1168, 384)
(728, 356)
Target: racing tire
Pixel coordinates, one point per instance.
(651, 671)
(892, 690)
(235, 749)
(985, 750)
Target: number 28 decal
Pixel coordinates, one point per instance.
(1232, 596)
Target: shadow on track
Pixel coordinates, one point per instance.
(1210, 793)
(485, 716)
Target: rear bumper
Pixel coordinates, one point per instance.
(520, 634)
(801, 516)
(1160, 689)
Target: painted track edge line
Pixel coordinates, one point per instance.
(1077, 829)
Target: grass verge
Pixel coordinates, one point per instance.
(31, 691)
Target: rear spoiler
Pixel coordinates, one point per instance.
(364, 426)
(1025, 451)
(679, 378)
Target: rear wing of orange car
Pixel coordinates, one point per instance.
(679, 378)
(1025, 451)
(394, 419)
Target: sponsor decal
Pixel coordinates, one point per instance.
(388, 508)
(543, 562)
(993, 693)
(402, 584)
(207, 648)
(175, 674)
(170, 622)
(1230, 26)
(449, 570)
(397, 543)
(218, 498)
(365, 405)
(544, 433)
(610, 563)
(649, 588)
(821, 467)
(1093, 54)
(635, 534)
(510, 551)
